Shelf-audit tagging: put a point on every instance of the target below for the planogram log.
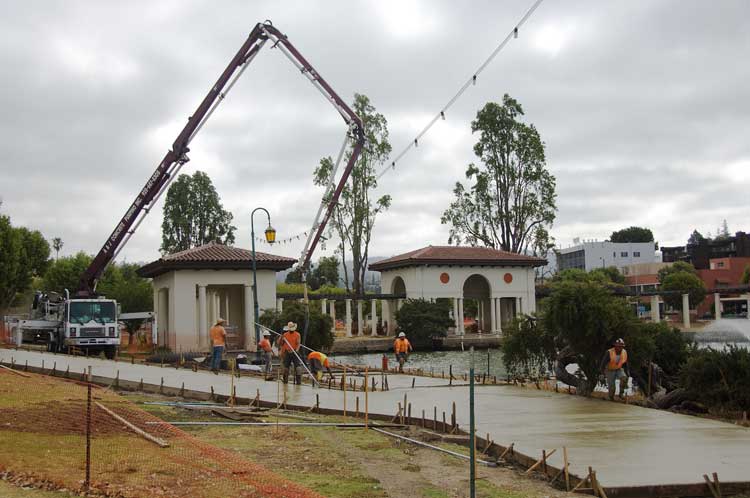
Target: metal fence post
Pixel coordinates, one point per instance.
(87, 481)
(472, 432)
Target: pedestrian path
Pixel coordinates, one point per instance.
(627, 445)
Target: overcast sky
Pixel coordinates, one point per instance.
(644, 107)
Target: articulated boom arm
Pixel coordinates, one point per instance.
(177, 155)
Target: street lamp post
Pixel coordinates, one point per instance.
(270, 238)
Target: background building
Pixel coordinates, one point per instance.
(702, 251)
(594, 254)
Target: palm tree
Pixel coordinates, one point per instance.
(57, 244)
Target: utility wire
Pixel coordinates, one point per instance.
(470, 82)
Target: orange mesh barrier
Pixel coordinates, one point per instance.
(44, 423)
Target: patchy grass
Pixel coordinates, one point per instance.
(8, 490)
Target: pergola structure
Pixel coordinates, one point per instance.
(502, 283)
(193, 288)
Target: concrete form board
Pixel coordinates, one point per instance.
(626, 445)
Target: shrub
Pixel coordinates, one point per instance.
(528, 351)
(319, 334)
(718, 379)
(422, 320)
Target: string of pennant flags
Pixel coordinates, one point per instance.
(472, 81)
(288, 240)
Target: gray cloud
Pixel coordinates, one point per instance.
(643, 106)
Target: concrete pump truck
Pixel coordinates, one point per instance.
(88, 321)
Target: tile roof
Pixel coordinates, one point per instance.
(457, 255)
(214, 256)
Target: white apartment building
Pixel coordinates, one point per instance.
(595, 254)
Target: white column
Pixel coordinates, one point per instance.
(202, 318)
(455, 316)
(461, 330)
(323, 303)
(279, 304)
(686, 310)
(217, 305)
(348, 317)
(399, 303)
(655, 309)
(717, 305)
(480, 315)
(748, 308)
(499, 315)
(226, 306)
(374, 316)
(493, 315)
(249, 319)
(333, 314)
(519, 309)
(360, 323)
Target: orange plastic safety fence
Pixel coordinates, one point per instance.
(44, 423)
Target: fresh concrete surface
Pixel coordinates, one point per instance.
(626, 445)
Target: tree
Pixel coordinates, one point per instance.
(421, 320)
(24, 255)
(194, 215)
(719, 378)
(319, 334)
(682, 282)
(511, 203)
(584, 317)
(65, 272)
(14, 275)
(354, 215)
(745, 279)
(696, 238)
(57, 245)
(722, 233)
(327, 271)
(676, 267)
(608, 274)
(632, 234)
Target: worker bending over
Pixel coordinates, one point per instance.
(402, 348)
(289, 344)
(318, 361)
(614, 366)
(264, 346)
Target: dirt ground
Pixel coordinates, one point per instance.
(352, 462)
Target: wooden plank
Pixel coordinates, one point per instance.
(539, 462)
(711, 487)
(132, 427)
(15, 371)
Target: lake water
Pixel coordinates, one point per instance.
(436, 361)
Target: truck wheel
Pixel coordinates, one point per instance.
(109, 352)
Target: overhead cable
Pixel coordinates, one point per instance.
(471, 81)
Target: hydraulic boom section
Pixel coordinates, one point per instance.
(176, 157)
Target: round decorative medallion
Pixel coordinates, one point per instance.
(508, 278)
(444, 278)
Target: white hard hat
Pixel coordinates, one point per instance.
(402, 334)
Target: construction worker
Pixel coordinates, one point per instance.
(218, 341)
(317, 361)
(264, 346)
(614, 366)
(289, 344)
(402, 347)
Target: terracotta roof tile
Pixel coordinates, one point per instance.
(215, 256)
(457, 255)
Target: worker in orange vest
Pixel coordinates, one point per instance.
(402, 348)
(317, 362)
(264, 346)
(289, 343)
(218, 341)
(614, 366)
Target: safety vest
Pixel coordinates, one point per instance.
(401, 345)
(319, 356)
(292, 341)
(613, 363)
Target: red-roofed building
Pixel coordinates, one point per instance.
(193, 288)
(501, 282)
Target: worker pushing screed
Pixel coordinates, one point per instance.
(318, 361)
(289, 344)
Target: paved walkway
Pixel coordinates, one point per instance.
(626, 445)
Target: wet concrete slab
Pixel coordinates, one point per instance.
(626, 445)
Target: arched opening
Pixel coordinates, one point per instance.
(398, 287)
(477, 302)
